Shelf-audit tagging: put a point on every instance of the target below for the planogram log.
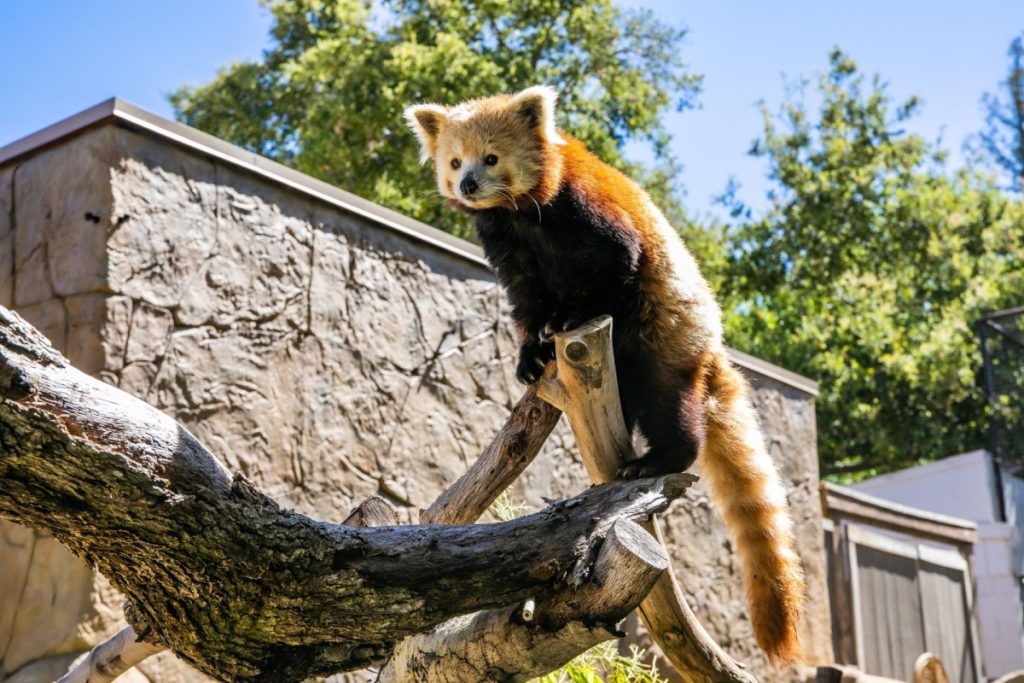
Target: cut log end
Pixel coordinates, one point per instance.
(373, 511)
(564, 623)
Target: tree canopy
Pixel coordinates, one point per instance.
(328, 95)
(1002, 141)
(867, 273)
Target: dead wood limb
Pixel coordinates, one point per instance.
(497, 646)
(586, 389)
(125, 649)
(111, 658)
(221, 574)
(514, 447)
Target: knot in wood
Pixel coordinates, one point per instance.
(576, 351)
(14, 384)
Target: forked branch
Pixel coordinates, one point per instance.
(586, 389)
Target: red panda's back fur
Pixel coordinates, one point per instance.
(744, 482)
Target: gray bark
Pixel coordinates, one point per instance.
(221, 574)
(497, 646)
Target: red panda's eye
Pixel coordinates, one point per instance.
(456, 163)
(490, 160)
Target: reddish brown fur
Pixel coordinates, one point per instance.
(743, 491)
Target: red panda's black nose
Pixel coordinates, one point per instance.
(468, 185)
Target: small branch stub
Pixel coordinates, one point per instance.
(528, 608)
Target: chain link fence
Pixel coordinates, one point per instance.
(1002, 349)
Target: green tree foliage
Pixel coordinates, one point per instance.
(867, 272)
(327, 97)
(1003, 138)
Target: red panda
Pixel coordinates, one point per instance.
(571, 238)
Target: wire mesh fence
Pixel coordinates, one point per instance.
(1002, 348)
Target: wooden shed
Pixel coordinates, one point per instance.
(900, 584)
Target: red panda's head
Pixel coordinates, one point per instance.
(493, 151)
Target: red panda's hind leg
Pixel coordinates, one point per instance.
(669, 409)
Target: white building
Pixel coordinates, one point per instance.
(968, 486)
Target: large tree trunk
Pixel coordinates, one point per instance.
(226, 578)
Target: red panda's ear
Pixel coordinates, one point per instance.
(426, 120)
(537, 106)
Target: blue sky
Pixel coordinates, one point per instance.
(61, 56)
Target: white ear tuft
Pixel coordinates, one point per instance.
(426, 120)
(537, 105)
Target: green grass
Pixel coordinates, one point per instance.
(604, 664)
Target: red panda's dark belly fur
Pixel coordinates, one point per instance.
(565, 263)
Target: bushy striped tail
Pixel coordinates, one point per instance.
(746, 488)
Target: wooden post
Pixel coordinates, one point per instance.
(585, 387)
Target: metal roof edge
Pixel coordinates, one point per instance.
(137, 118)
(73, 124)
(208, 145)
(775, 372)
(839, 491)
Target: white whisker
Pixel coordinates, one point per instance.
(505, 192)
(540, 217)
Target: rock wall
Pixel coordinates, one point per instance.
(321, 354)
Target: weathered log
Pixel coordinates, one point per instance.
(512, 450)
(125, 649)
(227, 579)
(586, 389)
(111, 658)
(496, 645)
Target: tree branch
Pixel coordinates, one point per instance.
(508, 455)
(586, 388)
(125, 649)
(111, 658)
(227, 579)
(497, 645)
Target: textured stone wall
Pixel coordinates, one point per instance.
(322, 355)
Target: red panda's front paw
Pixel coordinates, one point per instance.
(558, 324)
(533, 356)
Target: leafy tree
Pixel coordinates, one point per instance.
(867, 272)
(327, 97)
(1003, 139)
